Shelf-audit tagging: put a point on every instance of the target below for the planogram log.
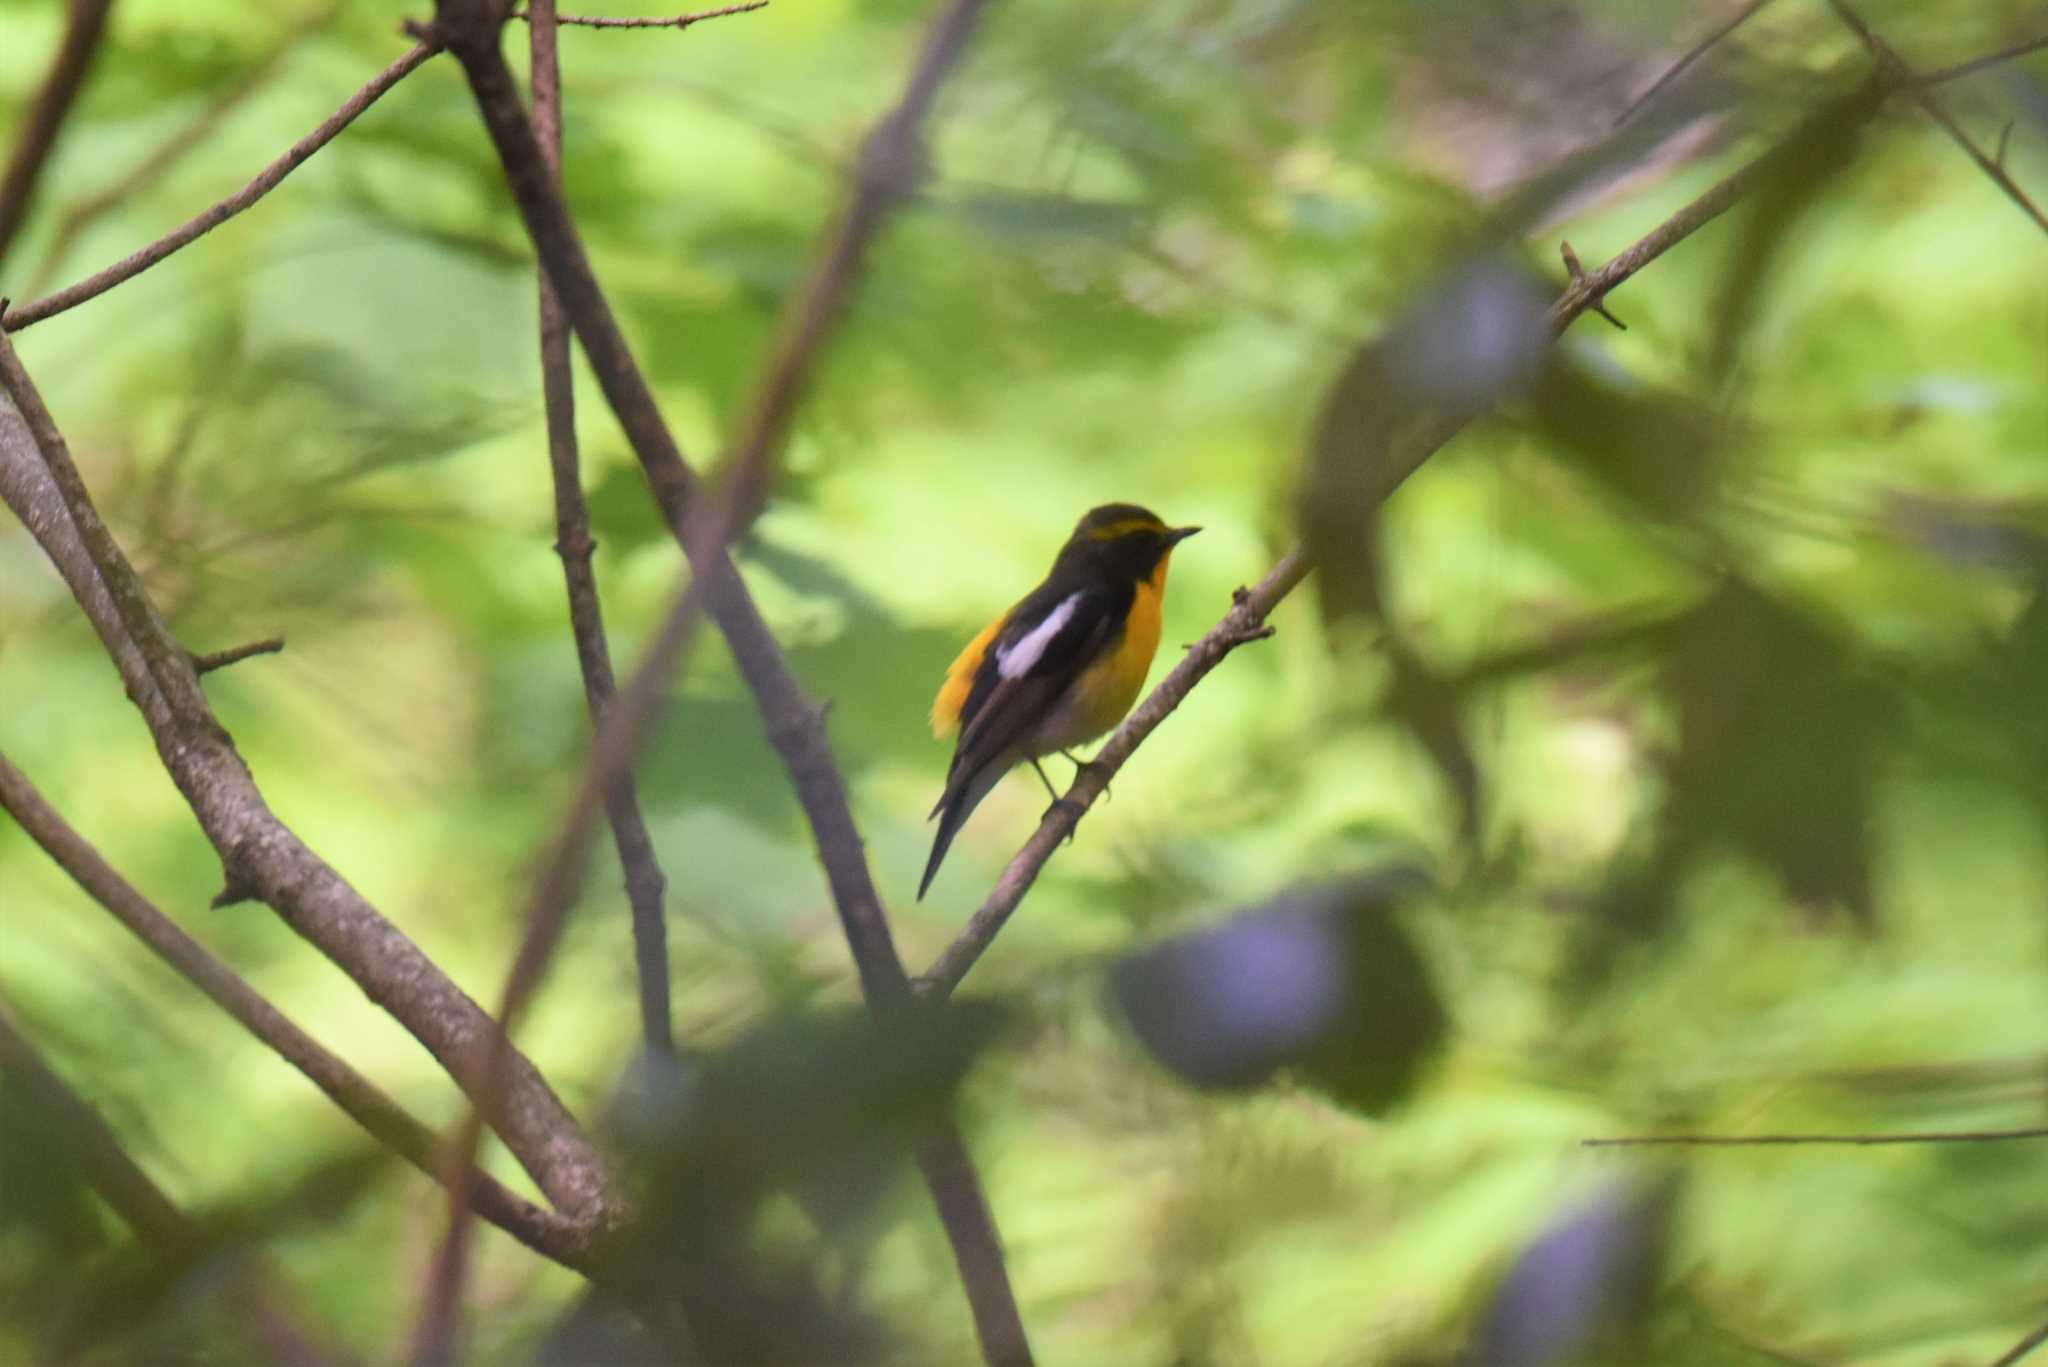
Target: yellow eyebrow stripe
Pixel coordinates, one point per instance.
(1126, 528)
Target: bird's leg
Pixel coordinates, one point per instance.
(1050, 791)
(1081, 765)
(1057, 801)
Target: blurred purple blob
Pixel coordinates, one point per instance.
(1321, 978)
(1474, 338)
(1225, 1007)
(1589, 1276)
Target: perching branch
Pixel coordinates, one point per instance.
(82, 33)
(1585, 293)
(1246, 621)
(386, 1121)
(1755, 1140)
(266, 180)
(260, 856)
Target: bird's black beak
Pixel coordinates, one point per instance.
(1180, 534)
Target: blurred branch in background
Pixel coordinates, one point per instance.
(85, 25)
(1742, 1140)
(2023, 1348)
(80, 1139)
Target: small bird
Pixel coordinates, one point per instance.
(1058, 669)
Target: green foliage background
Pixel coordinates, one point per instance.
(1154, 234)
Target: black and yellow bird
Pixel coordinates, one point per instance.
(1061, 667)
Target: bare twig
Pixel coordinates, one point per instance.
(1751, 1140)
(1902, 76)
(1587, 291)
(645, 884)
(221, 659)
(2023, 1348)
(1945, 74)
(265, 181)
(82, 33)
(261, 856)
(1683, 64)
(166, 154)
(674, 21)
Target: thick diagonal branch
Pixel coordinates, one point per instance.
(260, 855)
(362, 1100)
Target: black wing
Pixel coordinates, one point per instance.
(1048, 640)
(1011, 695)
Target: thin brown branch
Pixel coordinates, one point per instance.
(434, 1333)
(359, 1098)
(2023, 1348)
(674, 21)
(1943, 75)
(1900, 75)
(1587, 291)
(1684, 64)
(84, 28)
(260, 856)
(133, 1196)
(1755, 1140)
(174, 148)
(795, 726)
(266, 180)
(646, 887)
(221, 659)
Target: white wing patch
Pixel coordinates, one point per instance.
(1017, 659)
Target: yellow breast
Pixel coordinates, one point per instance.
(1106, 689)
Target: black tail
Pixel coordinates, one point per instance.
(963, 794)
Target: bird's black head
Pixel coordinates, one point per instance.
(1129, 541)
